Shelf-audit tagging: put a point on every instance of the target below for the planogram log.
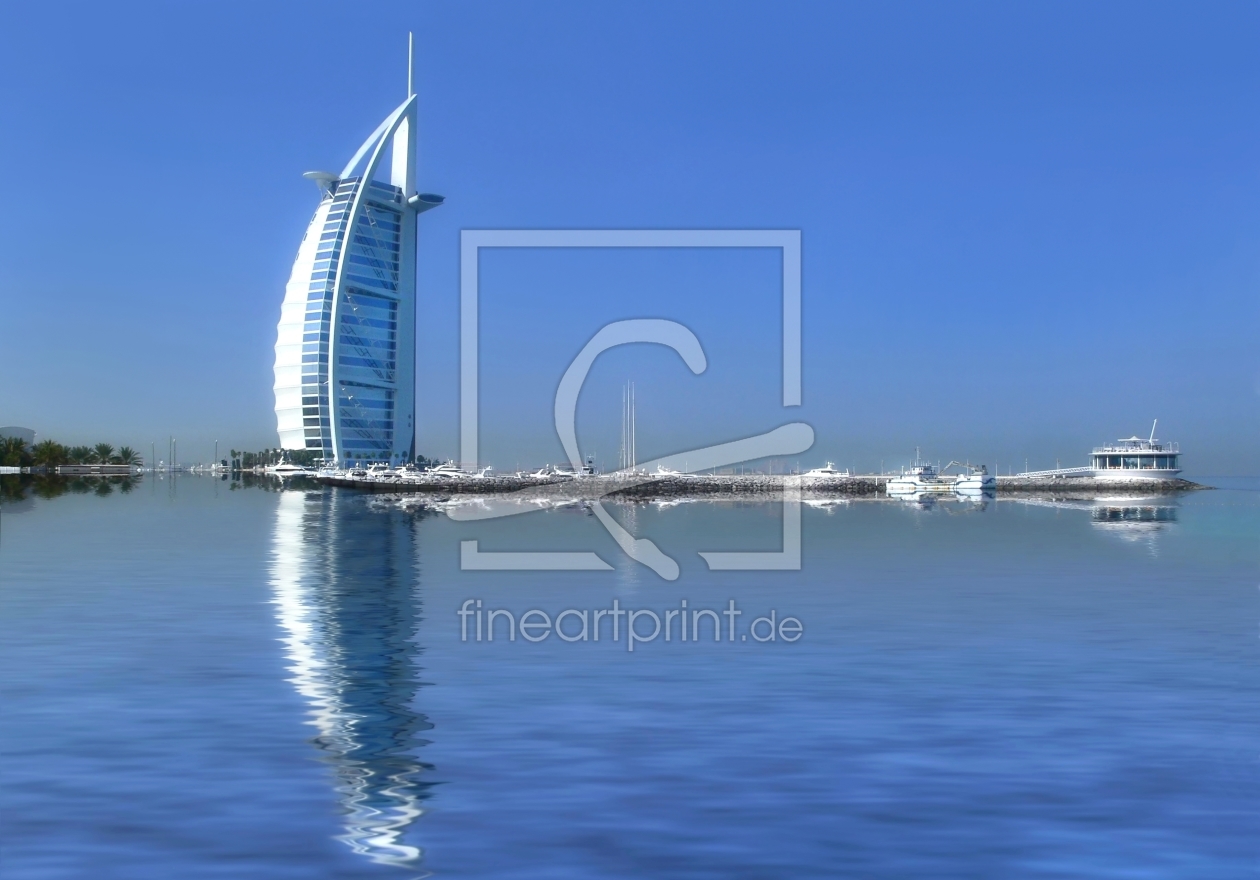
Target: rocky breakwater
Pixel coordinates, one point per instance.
(637, 487)
(1090, 487)
(651, 487)
(748, 485)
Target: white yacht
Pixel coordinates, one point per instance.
(409, 472)
(1135, 458)
(287, 469)
(828, 470)
(567, 471)
(451, 471)
(446, 471)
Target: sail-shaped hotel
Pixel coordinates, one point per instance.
(346, 342)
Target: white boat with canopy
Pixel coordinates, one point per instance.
(827, 471)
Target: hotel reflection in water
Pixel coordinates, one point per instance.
(342, 586)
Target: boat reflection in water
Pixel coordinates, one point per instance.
(342, 585)
(828, 505)
(954, 501)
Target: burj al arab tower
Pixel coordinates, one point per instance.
(346, 342)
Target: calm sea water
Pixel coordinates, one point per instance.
(201, 681)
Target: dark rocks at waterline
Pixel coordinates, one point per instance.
(1014, 485)
(747, 485)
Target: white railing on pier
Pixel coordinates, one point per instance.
(1145, 447)
(1058, 472)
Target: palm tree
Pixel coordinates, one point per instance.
(13, 452)
(46, 488)
(80, 454)
(49, 453)
(127, 455)
(103, 452)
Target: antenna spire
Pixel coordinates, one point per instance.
(411, 60)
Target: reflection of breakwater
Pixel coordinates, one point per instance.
(652, 487)
(342, 582)
(14, 488)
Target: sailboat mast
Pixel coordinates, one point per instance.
(634, 460)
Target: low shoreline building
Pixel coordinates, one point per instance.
(97, 470)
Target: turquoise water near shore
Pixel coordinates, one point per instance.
(202, 681)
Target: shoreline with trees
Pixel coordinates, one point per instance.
(15, 452)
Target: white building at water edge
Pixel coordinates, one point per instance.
(1135, 458)
(1131, 458)
(345, 370)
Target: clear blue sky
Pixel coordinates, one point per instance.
(1028, 228)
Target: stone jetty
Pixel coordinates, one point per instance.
(650, 487)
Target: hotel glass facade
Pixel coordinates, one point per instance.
(345, 346)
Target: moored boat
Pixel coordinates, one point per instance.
(974, 478)
(287, 469)
(828, 471)
(922, 477)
